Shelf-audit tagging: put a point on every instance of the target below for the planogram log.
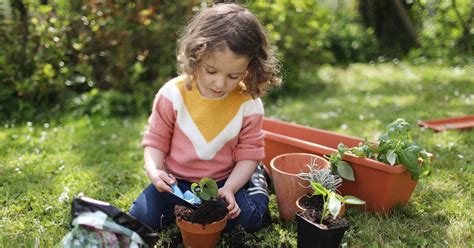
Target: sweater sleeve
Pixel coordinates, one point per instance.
(160, 124)
(251, 138)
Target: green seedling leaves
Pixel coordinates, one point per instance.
(409, 158)
(209, 186)
(203, 195)
(332, 201)
(334, 205)
(349, 199)
(358, 151)
(383, 138)
(206, 189)
(340, 167)
(319, 189)
(344, 169)
(391, 157)
(341, 148)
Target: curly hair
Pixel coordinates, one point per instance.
(232, 26)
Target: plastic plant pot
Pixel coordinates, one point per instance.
(311, 235)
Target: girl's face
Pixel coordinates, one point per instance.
(221, 72)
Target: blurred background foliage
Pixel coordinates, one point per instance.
(111, 56)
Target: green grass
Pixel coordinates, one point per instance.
(43, 165)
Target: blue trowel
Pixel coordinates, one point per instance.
(187, 198)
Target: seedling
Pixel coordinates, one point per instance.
(340, 167)
(333, 201)
(206, 189)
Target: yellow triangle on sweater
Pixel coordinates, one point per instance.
(211, 116)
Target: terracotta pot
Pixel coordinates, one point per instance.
(288, 187)
(203, 236)
(301, 208)
(311, 235)
(443, 124)
(380, 185)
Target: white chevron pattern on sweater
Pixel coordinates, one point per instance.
(205, 150)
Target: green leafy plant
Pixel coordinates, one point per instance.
(339, 166)
(395, 146)
(206, 189)
(333, 201)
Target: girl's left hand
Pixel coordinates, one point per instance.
(229, 197)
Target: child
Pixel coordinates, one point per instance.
(208, 121)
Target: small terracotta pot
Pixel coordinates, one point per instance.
(203, 236)
(301, 208)
(288, 187)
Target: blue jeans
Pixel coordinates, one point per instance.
(156, 209)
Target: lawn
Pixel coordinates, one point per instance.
(44, 164)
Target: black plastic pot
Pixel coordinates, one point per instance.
(311, 235)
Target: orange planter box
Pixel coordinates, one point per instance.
(380, 185)
(464, 122)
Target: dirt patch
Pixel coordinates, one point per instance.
(240, 238)
(171, 238)
(206, 213)
(312, 202)
(315, 217)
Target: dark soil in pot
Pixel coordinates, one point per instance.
(312, 202)
(331, 223)
(206, 213)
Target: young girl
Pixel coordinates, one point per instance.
(208, 121)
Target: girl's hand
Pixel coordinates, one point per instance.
(162, 181)
(229, 197)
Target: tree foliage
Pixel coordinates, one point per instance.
(112, 56)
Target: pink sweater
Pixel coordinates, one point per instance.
(204, 137)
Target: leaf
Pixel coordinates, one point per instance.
(391, 157)
(344, 169)
(203, 195)
(382, 158)
(384, 137)
(341, 148)
(408, 157)
(425, 166)
(193, 188)
(358, 151)
(210, 186)
(349, 199)
(318, 189)
(334, 205)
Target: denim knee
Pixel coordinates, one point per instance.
(253, 211)
(149, 208)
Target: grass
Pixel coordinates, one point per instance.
(43, 165)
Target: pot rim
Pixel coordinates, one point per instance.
(273, 167)
(398, 168)
(187, 225)
(300, 215)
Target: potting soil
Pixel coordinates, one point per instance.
(315, 217)
(206, 213)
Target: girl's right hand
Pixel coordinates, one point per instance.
(162, 181)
